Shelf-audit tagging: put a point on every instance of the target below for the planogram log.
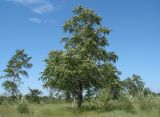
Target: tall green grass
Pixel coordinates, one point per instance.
(66, 110)
(101, 106)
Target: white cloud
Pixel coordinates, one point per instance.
(35, 20)
(43, 9)
(40, 21)
(36, 6)
(28, 2)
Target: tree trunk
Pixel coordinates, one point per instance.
(67, 96)
(80, 96)
(13, 96)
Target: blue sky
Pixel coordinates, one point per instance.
(36, 26)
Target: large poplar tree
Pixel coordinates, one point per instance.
(84, 64)
(16, 68)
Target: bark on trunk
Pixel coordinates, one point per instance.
(80, 96)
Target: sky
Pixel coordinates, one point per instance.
(37, 27)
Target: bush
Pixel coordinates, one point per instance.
(104, 101)
(34, 96)
(125, 103)
(22, 108)
(149, 102)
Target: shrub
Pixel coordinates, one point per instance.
(34, 96)
(149, 102)
(105, 101)
(102, 99)
(22, 108)
(125, 103)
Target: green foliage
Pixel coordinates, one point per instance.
(133, 96)
(103, 98)
(49, 100)
(105, 101)
(85, 64)
(3, 99)
(11, 87)
(34, 96)
(133, 85)
(83, 68)
(16, 68)
(125, 103)
(128, 102)
(22, 106)
(148, 102)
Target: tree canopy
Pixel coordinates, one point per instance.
(16, 69)
(84, 64)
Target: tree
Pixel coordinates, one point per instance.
(34, 96)
(16, 68)
(84, 64)
(134, 84)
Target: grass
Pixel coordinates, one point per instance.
(65, 110)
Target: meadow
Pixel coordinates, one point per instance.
(66, 110)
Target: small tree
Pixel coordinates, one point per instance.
(16, 68)
(134, 84)
(84, 64)
(34, 96)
